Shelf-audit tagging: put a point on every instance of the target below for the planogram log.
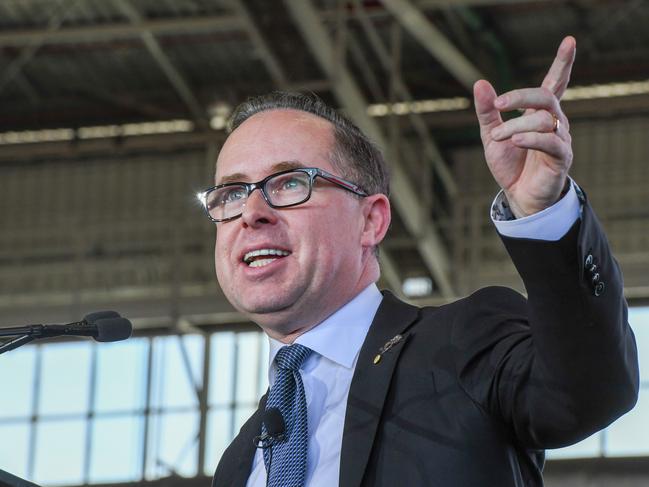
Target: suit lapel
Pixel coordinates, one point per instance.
(247, 449)
(370, 385)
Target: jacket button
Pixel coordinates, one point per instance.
(595, 278)
(589, 260)
(599, 289)
(592, 268)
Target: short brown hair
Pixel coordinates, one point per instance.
(354, 155)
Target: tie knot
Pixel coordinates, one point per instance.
(292, 357)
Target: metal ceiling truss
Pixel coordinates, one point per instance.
(430, 148)
(268, 58)
(121, 30)
(174, 76)
(14, 70)
(404, 195)
(434, 41)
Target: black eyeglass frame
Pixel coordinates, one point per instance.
(313, 172)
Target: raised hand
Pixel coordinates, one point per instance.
(529, 156)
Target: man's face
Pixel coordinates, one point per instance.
(324, 268)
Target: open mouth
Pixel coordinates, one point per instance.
(263, 257)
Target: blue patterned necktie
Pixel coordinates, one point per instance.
(286, 460)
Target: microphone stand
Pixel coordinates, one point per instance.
(15, 343)
(25, 335)
(9, 480)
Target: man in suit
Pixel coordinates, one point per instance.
(467, 394)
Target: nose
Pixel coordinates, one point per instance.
(256, 211)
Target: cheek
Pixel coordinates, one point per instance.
(222, 253)
(336, 239)
(223, 238)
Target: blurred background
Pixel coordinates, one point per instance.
(112, 117)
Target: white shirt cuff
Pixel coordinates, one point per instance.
(549, 224)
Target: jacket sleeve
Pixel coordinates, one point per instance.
(562, 364)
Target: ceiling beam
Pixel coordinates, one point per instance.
(377, 12)
(349, 95)
(100, 147)
(434, 41)
(428, 4)
(15, 67)
(191, 25)
(359, 58)
(430, 147)
(104, 32)
(267, 57)
(173, 74)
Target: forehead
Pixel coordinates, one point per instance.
(273, 137)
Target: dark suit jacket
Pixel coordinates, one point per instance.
(478, 388)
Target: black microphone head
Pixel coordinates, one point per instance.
(100, 315)
(113, 329)
(274, 422)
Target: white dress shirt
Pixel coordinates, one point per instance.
(549, 224)
(327, 373)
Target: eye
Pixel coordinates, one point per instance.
(291, 182)
(231, 195)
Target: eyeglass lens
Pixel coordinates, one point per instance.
(281, 190)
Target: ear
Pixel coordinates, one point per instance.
(377, 217)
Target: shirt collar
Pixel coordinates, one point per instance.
(339, 338)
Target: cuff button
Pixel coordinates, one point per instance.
(599, 289)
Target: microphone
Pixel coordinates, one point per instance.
(275, 429)
(103, 326)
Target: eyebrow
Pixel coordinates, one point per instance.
(239, 177)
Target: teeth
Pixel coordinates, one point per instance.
(260, 262)
(260, 252)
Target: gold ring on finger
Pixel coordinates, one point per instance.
(556, 123)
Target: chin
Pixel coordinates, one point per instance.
(269, 301)
(265, 306)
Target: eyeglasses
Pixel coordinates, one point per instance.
(280, 190)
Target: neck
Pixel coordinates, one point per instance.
(287, 327)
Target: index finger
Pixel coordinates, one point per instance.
(559, 73)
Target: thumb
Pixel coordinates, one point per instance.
(484, 96)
